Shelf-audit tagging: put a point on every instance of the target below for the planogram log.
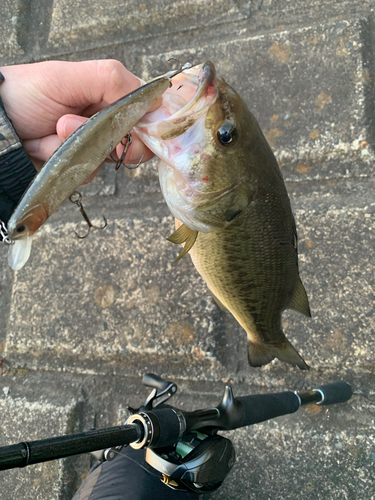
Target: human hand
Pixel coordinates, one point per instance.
(47, 101)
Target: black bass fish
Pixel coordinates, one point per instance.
(221, 181)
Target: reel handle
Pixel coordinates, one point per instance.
(156, 382)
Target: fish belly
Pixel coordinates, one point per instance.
(251, 269)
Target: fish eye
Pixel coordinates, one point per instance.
(20, 229)
(227, 134)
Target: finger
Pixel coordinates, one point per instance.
(68, 124)
(81, 84)
(36, 95)
(38, 164)
(42, 149)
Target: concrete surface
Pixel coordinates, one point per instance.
(84, 320)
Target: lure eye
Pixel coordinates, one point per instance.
(227, 134)
(20, 229)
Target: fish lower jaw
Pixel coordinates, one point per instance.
(189, 218)
(187, 215)
(181, 206)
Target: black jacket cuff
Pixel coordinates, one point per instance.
(16, 174)
(16, 169)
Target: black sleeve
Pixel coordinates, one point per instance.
(16, 169)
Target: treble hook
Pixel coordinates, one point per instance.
(128, 141)
(76, 198)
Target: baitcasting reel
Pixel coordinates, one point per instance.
(199, 461)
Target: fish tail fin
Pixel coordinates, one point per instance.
(262, 354)
(259, 354)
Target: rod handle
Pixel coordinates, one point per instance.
(337, 392)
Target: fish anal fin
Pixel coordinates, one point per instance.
(186, 236)
(262, 354)
(299, 302)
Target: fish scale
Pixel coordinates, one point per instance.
(247, 279)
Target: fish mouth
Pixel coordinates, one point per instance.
(193, 90)
(204, 74)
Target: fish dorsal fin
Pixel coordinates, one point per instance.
(19, 253)
(183, 235)
(299, 301)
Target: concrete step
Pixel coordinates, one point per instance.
(34, 408)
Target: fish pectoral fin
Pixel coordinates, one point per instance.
(299, 301)
(183, 235)
(262, 354)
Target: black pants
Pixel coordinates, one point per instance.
(126, 479)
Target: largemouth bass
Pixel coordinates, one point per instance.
(77, 158)
(221, 181)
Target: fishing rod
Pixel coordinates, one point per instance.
(182, 445)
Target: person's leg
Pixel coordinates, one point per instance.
(127, 477)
